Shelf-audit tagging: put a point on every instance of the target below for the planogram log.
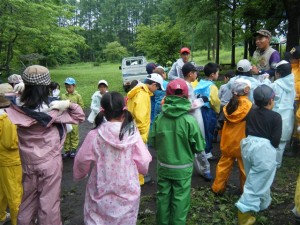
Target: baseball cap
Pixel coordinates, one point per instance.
(188, 67)
(262, 94)
(294, 53)
(103, 82)
(156, 78)
(70, 81)
(177, 87)
(150, 67)
(238, 87)
(243, 66)
(185, 50)
(284, 68)
(263, 32)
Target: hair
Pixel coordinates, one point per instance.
(34, 96)
(210, 68)
(147, 81)
(54, 85)
(247, 74)
(113, 107)
(232, 104)
(133, 84)
(229, 74)
(159, 71)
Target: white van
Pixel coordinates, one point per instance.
(133, 68)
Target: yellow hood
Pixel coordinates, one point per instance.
(241, 112)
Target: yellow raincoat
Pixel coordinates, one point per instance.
(296, 72)
(138, 103)
(10, 170)
(234, 130)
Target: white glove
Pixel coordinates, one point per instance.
(298, 129)
(19, 87)
(60, 105)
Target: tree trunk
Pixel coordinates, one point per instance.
(292, 8)
(233, 34)
(208, 51)
(218, 33)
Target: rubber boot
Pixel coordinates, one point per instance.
(245, 218)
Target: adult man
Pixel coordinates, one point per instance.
(265, 58)
(175, 71)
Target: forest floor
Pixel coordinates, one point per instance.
(206, 208)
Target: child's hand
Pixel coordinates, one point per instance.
(60, 105)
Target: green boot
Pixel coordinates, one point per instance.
(245, 218)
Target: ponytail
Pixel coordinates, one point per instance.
(99, 119)
(127, 125)
(232, 104)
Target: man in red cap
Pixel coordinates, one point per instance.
(175, 72)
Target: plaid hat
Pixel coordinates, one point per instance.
(156, 78)
(14, 79)
(243, 66)
(177, 87)
(187, 68)
(294, 53)
(263, 32)
(185, 50)
(103, 82)
(4, 102)
(150, 67)
(36, 75)
(262, 94)
(70, 81)
(6, 88)
(239, 85)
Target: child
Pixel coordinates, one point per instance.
(207, 90)
(54, 91)
(202, 165)
(117, 153)
(234, 130)
(138, 103)
(72, 139)
(176, 137)
(284, 90)
(96, 99)
(41, 134)
(263, 131)
(160, 94)
(10, 167)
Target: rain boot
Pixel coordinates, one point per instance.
(245, 218)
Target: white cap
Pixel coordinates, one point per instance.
(14, 79)
(243, 66)
(103, 82)
(156, 78)
(282, 62)
(160, 67)
(239, 85)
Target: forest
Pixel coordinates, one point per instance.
(56, 32)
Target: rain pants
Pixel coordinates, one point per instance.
(296, 72)
(72, 139)
(41, 136)
(284, 105)
(176, 137)
(259, 158)
(234, 130)
(10, 170)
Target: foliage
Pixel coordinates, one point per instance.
(114, 51)
(160, 42)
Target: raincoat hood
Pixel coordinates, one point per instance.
(202, 85)
(241, 112)
(136, 89)
(109, 131)
(286, 83)
(175, 106)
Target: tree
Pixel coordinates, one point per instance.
(114, 51)
(160, 42)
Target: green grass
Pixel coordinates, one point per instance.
(87, 76)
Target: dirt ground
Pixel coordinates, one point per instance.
(73, 193)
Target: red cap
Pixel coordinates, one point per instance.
(178, 87)
(185, 49)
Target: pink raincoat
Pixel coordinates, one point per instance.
(41, 137)
(113, 189)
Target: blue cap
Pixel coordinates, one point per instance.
(70, 81)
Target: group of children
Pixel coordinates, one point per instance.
(254, 117)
